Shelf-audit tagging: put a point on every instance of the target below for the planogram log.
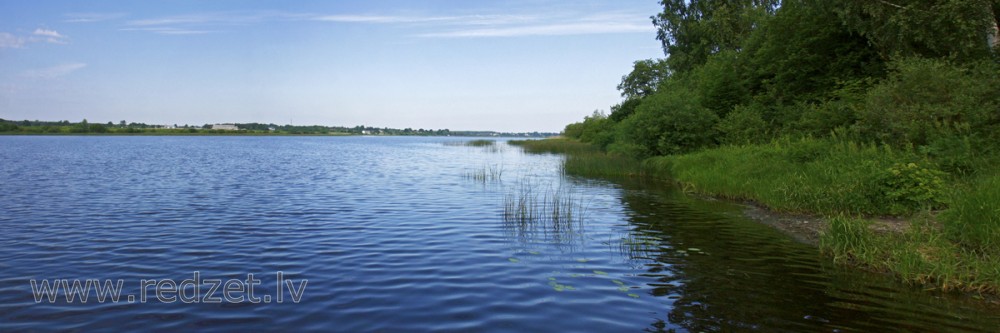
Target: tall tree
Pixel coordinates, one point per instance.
(692, 30)
(958, 29)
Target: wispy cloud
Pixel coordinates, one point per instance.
(50, 36)
(54, 71)
(170, 31)
(92, 17)
(559, 29)
(455, 20)
(469, 26)
(426, 26)
(8, 40)
(204, 23)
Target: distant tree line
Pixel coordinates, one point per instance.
(123, 127)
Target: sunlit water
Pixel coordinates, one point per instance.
(396, 234)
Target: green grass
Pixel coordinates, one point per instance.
(921, 255)
(554, 145)
(799, 176)
(583, 159)
(973, 216)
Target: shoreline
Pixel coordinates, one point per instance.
(829, 194)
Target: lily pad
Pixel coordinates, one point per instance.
(633, 295)
(582, 260)
(514, 260)
(600, 272)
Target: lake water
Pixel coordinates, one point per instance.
(407, 234)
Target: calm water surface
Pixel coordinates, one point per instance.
(397, 234)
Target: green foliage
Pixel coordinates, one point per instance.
(7, 126)
(598, 130)
(692, 30)
(907, 187)
(624, 109)
(719, 85)
(573, 131)
(926, 100)
(804, 52)
(801, 175)
(670, 122)
(644, 78)
(745, 125)
(955, 29)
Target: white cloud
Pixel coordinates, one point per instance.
(8, 40)
(461, 20)
(509, 25)
(92, 17)
(49, 36)
(582, 28)
(170, 31)
(50, 33)
(54, 71)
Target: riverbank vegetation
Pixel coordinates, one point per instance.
(859, 111)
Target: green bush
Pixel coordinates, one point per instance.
(573, 131)
(598, 130)
(670, 122)
(744, 125)
(908, 186)
(926, 100)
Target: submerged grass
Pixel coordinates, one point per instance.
(602, 165)
(472, 143)
(486, 174)
(528, 205)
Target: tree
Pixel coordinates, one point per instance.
(957, 29)
(692, 30)
(644, 78)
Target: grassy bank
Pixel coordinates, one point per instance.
(583, 159)
(949, 237)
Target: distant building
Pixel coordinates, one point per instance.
(225, 127)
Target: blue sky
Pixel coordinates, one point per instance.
(463, 65)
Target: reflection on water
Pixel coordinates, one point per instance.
(409, 234)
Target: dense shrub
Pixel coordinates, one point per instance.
(744, 125)
(907, 187)
(670, 122)
(926, 100)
